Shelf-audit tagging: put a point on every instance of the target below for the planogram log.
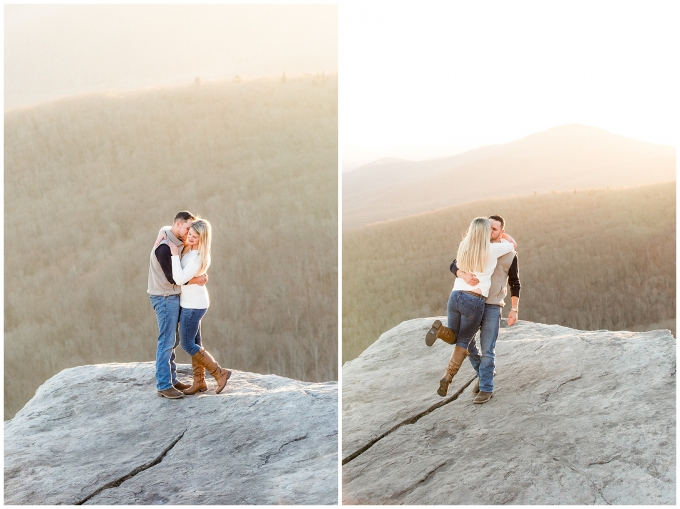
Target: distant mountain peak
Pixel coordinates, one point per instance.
(564, 157)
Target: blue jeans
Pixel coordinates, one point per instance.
(190, 329)
(485, 363)
(464, 315)
(167, 314)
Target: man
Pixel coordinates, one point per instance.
(164, 295)
(506, 273)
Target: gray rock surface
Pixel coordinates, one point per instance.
(577, 417)
(100, 435)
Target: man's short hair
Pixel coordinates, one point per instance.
(184, 216)
(500, 220)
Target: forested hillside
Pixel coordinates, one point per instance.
(598, 259)
(90, 180)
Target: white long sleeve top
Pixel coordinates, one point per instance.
(192, 296)
(497, 249)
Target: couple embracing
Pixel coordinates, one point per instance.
(485, 265)
(177, 276)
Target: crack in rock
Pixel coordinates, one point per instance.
(410, 420)
(423, 480)
(604, 462)
(145, 466)
(282, 446)
(558, 387)
(561, 462)
(588, 479)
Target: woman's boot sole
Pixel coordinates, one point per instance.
(431, 336)
(225, 382)
(443, 388)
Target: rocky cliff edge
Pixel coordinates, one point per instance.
(100, 435)
(577, 417)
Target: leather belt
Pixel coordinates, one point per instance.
(474, 294)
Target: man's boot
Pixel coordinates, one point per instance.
(475, 389)
(457, 357)
(171, 393)
(206, 360)
(482, 397)
(199, 384)
(440, 331)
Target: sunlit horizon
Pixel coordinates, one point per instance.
(57, 51)
(362, 156)
(439, 79)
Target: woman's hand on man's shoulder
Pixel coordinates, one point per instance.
(509, 239)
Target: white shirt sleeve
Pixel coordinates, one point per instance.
(498, 249)
(182, 275)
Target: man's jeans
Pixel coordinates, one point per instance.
(485, 363)
(167, 314)
(464, 316)
(190, 329)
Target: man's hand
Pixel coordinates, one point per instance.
(201, 280)
(468, 277)
(512, 317)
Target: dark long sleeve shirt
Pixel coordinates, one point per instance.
(164, 258)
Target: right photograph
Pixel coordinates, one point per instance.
(508, 253)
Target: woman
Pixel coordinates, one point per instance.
(466, 303)
(194, 302)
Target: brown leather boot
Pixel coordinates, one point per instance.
(483, 397)
(457, 357)
(206, 360)
(440, 331)
(171, 393)
(180, 386)
(199, 384)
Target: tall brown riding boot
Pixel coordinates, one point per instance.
(457, 357)
(440, 331)
(206, 360)
(199, 384)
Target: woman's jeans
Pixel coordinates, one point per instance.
(485, 363)
(167, 314)
(464, 314)
(190, 329)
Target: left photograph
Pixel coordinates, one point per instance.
(171, 254)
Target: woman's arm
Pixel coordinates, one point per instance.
(498, 249)
(510, 239)
(183, 275)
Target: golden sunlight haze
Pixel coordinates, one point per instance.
(56, 51)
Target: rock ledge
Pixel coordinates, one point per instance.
(100, 435)
(578, 417)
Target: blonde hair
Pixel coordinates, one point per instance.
(473, 251)
(204, 231)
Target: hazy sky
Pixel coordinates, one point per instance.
(53, 51)
(432, 79)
